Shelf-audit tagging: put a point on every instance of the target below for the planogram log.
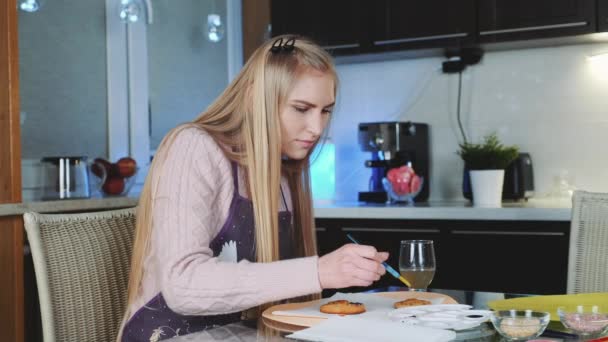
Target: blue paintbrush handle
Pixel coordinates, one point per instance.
(391, 270)
(352, 239)
(388, 267)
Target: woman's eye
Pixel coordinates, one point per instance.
(300, 109)
(327, 111)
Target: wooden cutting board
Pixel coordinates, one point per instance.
(292, 323)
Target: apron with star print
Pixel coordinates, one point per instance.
(155, 321)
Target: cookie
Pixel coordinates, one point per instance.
(343, 307)
(411, 302)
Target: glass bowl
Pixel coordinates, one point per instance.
(584, 320)
(115, 185)
(515, 325)
(393, 197)
(118, 186)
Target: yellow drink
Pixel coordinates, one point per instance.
(418, 278)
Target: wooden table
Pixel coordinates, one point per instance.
(267, 330)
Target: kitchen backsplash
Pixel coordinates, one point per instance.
(552, 102)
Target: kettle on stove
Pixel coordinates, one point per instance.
(66, 177)
(518, 181)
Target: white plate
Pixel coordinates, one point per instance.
(442, 316)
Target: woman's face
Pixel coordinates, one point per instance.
(306, 113)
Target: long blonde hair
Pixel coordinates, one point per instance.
(245, 122)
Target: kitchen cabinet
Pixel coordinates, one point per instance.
(354, 27)
(602, 15)
(494, 256)
(337, 25)
(398, 24)
(517, 257)
(504, 20)
(331, 239)
(350, 27)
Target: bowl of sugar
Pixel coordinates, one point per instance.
(519, 325)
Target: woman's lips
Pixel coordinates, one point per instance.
(306, 143)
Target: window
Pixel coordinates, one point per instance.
(96, 86)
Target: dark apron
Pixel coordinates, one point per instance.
(155, 321)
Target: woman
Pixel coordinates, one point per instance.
(217, 232)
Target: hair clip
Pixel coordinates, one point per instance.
(289, 44)
(278, 46)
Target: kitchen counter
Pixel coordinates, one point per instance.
(533, 210)
(68, 205)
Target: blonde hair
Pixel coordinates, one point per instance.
(245, 122)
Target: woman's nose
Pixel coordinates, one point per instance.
(316, 124)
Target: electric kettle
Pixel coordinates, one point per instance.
(67, 177)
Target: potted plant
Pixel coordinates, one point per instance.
(486, 163)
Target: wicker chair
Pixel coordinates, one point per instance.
(81, 263)
(588, 255)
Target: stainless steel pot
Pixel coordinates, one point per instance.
(66, 177)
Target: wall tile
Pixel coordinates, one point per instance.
(552, 102)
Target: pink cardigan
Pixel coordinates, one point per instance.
(191, 204)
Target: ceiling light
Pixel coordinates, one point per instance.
(29, 5)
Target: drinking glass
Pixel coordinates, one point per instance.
(417, 263)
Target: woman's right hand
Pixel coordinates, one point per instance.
(351, 265)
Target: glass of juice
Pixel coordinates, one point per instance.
(417, 263)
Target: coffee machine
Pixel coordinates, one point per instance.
(394, 144)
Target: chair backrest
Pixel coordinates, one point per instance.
(81, 263)
(588, 254)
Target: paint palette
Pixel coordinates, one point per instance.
(442, 316)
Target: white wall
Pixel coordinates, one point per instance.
(552, 102)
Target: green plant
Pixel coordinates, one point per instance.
(489, 155)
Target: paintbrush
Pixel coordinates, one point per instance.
(388, 267)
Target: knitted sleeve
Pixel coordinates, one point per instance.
(190, 207)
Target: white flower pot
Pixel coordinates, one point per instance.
(487, 188)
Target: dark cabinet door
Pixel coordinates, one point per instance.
(335, 24)
(502, 20)
(494, 256)
(399, 24)
(499, 260)
(328, 240)
(602, 15)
